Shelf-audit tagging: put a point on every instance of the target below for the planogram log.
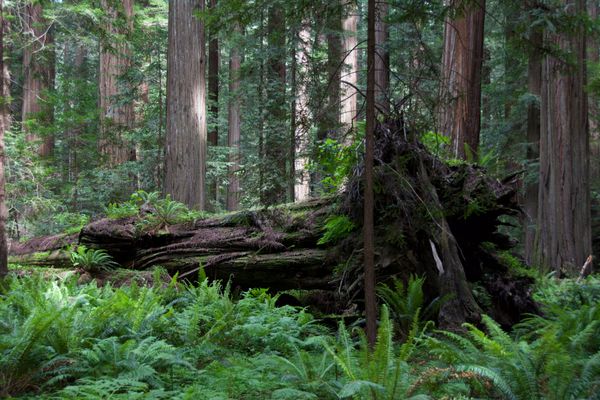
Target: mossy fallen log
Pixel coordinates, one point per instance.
(432, 219)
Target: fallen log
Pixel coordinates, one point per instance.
(432, 219)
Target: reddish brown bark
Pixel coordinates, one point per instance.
(213, 99)
(234, 132)
(382, 59)
(368, 221)
(534, 73)
(462, 60)
(185, 160)
(349, 76)
(276, 154)
(38, 77)
(564, 215)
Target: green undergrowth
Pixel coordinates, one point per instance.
(61, 340)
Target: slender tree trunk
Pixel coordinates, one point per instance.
(382, 59)
(4, 126)
(462, 60)
(213, 99)
(74, 133)
(368, 228)
(564, 214)
(302, 113)
(534, 77)
(233, 135)
(38, 76)
(349, 78)
(275, 154)
(185, 161)
(330, 123)
(116, 116)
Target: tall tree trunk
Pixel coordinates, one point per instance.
(302, 114)
(349, 78)
(594, 109)
(534, 77)
(564, 214)
(4, 126)
(330, 120)
(382, 59)
(275, 153)
(368, 222)
(75, 131)
(185, 161)
(213, 99)
(116, 116)
(462, 60)
(38, 76)
(233, 134)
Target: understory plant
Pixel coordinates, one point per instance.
(92, 260)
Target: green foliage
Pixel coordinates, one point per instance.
(92, 260)
(337, 227)
(407, 303)
(334, 162)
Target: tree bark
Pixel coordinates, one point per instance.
(38, 77)
(382, 59)
(594, 109)
(234, 126)
(276, 154)
(349, 77)
(534, 78)
(4, 126)
(564, 214)
(368, 221)
(185, 163)
(462, 60)
(213, 100)
(302, 114)
(330, 118)
(116, 115)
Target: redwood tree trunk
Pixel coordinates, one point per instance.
(302, 116)
(382, 59)
(462, 61)
(594, 109)
(534, 73)
(368, 220)
(233, 135)
(185, 160)
(116, 116)
(564, 214)
(4, 126)
(275, 151)
(38, 75)
(213, 99)
(349, 78)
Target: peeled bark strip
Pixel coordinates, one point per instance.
(185, 160)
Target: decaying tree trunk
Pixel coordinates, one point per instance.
(430, 219)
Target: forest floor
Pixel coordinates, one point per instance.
(65, 336)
